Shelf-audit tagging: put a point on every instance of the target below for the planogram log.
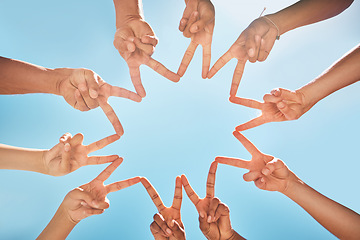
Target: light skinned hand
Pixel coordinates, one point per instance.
(280, 105)
(167, 223)
(255, 165)
(254, 43)
(83, 89)
(135, 40)
(197, 23)
(214, 216)
(90, 198)
(70, 154)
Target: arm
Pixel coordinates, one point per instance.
(126, 10)
(21, 158)
(271, 174)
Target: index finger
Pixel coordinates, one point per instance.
(111, 115)
(189, 53)
(246, 143)
(116, 186)
(153, 194)
(102, 143)
(178, 194)
(235, 162)
(136, 80)
(194, 198)
(224, 59)
(246, 102)
(109, 170)
(124, 93)
(210, 183)
(162, 70)
(239, 70)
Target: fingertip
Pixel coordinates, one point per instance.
(251, 52)
(67, 147)
(280, 105)
(232, 99)
(238, 129)
(194, 29)
(275, 92)
(265, 171)
(93, 93)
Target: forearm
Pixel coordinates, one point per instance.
(306, 12)
(17, 77)
(59, 227)
(126, 10)
(339, 220)
(342, 73)
(21, 159)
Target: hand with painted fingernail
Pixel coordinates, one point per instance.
(167, 223)
(70, 154)
(214, 216)
(255, 165)
(197, 23)
(136, 42)
(84, 201)
(280, 105)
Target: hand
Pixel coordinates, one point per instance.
(197, 23)
(83, 89)
(255, 165)
(136, 41)
(70, 154)
(280, 105)
(214, 216)
(254, 43)
(90, 198)
(167, 224)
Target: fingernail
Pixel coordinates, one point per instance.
(95, 204)
(209, 219)
(93, 93)
(262, 180)
(265, 171)
(168, 231)
(172, 223)
(281, 105)
(251, 52)
(67, 147)
(83, 203)
(182, 22)
(202, 215)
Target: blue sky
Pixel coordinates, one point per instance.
(178, 128)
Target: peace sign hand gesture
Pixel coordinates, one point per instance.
(197, 23)
(135, 40)
(70, 154)
(167, 223)
(214, 216)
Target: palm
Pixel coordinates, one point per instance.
(59, 162)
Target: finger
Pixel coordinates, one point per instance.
(65, 138)
(289, 113)
(246, 143)
(84, 91)
(153, 194)
(116, 186)
(91, 211)
(159, 219)
(157, 232)
(87, 197)
(77, 139)
(194, 198)
(201, 23)
(124, 93)
(162, 70)
(178, 194)
(271, 98)
(210, 183)
(102, 143)
(111, 115)
(212, 208)
(251, 124)
(251, 176)
(235, 162)
(96, 160)
(109, 170)
(136, 80)
(246, 102)
(260, 183)
(224, 59)
(91, 79)
(147, 39)
(221, 210)
(206, 60)
(189, 53)
(177, 230)
(193, 17)
(272, 166)
(185, 18)
(79, 102)
(267, 43)
(253, 45)
(148, 49)
(239, 70)
(65, 159)
(284, 94)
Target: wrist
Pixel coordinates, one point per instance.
(61, 76)
(292, 185)
(306, 97)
